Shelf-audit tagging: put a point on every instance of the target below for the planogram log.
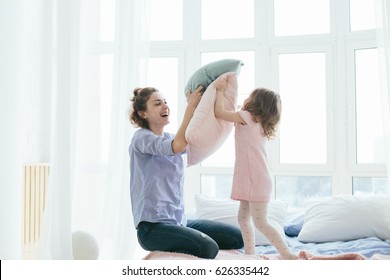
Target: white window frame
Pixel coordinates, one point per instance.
(275, 165)
(357, 169)
(338, 45)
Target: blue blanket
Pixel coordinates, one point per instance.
(366, 246)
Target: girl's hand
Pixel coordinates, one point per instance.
(220, 84)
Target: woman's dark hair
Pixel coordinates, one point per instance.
(265, 106)
(139, 100)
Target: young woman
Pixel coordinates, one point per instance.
(255, 123)
(157, 179)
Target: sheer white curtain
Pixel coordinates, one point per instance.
(89, 179)
(10, 126)
(383, 37)
(130, 69)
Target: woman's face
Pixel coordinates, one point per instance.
(157, 111)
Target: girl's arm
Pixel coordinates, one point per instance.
(179, 143)
(219, 110)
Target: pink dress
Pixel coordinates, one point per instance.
(252, 179)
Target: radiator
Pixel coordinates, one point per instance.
(35, 180)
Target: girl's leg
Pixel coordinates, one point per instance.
(346, 256)
(225, 235)
(259, 214)
(172, 238)
(247, 230)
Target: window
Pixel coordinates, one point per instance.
(166, 25)
(106, 70)
(297, 189)
(96, 103)
(95, 80)
(362, 14)
(370, 185)
(166, 84)
(220, 19)
(370, 144)
(216, 185)
(302, 86)
(330, 137)
(107, 20)
(301, 17)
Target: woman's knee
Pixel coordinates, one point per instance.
(176, 239)
(209, 249)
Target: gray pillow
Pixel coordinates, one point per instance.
(206, 74)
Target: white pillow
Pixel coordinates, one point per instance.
(226, 210)
(346, 217)
(206, 133)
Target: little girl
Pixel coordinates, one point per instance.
(255, 123)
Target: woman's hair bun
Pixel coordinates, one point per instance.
(139, 104)
(137, 91)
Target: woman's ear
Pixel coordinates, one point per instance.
(142, 115)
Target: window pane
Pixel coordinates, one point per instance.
(296, 190)
(166, 20)
(370, 185)
(167, 84)
(224, 156)
(362, 14)
(107, 20)
(216, 185)
(301, 17)
(369, 125)
(224, 19)
(302, 84)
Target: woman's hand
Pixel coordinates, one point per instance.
(193, 98)
(179, 143)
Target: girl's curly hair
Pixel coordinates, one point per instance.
(266, 107)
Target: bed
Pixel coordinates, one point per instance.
(338, 227)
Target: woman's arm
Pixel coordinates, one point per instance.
(179, 143)
(219, 110)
